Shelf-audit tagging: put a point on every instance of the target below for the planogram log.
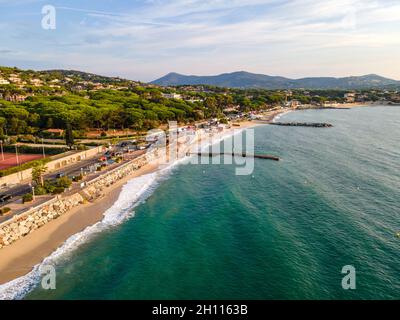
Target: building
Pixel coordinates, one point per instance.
(36, 82)
(194, 100)
(3, 81)
(16, 98)
(171, 96)
(294, 104)
(14, 78)
(56, 132)
(350, 97)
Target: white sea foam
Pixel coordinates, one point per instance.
(277, 117)
(132, 194)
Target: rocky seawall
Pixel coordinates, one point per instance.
(21, 225)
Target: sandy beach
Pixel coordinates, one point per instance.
(20, 257)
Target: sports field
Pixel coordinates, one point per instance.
(10, 159)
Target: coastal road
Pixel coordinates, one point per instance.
(72, 170)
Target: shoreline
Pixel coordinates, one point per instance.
(20, 258)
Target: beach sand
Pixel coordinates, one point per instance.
(20, 257)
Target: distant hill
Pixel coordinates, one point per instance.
(20, 77)
(250, 80)
(83, 76)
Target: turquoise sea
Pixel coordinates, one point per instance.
(284, 232)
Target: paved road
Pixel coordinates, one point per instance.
(74, 169)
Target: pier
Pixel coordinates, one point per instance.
(244, 155)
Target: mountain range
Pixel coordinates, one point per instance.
(248, 80)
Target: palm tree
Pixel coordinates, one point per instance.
(37, 174)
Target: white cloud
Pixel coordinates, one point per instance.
(211, 36)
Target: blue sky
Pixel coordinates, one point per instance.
(145, 39)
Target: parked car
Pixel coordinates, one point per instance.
(60, 175)
(5, 197)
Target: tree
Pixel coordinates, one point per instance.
(37, 174)
(69, 137)
(64, 182)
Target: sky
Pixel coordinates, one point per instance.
(146, 39)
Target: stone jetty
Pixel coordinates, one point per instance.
(303, 124)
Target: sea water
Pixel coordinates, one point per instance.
(283, 232)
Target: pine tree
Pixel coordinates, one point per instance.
(69, 137)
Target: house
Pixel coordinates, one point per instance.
(294, 104)
(350, 97)
(231, 108)
(14, 78)
(97, 86)
(16, 98)
(3, 81)
(171, 96)
(56, 132)
(36, 82)
(194, 100)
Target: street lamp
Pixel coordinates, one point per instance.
(44, 154)
(16, 153)
(2, 153)
(33, 191)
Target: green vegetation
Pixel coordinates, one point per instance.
(69, 137)
(54, 186)
(28, 197)
(34, 150)
(58, 190)
(75, 102)
(37, 174)
(40, 191)
(63, 182)
(5, 210)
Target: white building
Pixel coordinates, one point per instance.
(171, 96)
(36, 82)
(14, 78)
(350, 97)
(3, 81)
(293, 104)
